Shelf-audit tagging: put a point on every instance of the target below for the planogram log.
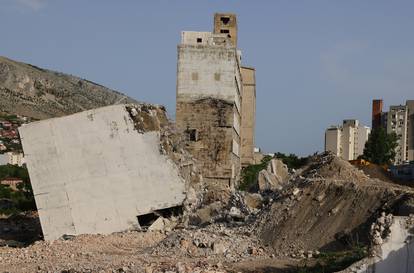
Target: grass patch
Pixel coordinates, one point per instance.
(328, 262)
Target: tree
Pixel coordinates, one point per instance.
(292, 161)
(380, 147)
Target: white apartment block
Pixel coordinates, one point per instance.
(397, 122)
(347, 141)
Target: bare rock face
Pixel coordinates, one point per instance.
(39, 93)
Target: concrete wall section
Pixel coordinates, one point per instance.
(333, 140)
(410, 130)
(206, 71)
(395, 255)
(92, 172)
(248, 116)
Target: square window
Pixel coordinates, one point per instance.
(217, 76)
(225, 20)
(192, 135)
(199, 40)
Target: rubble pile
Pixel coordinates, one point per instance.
(380, 229)
(212, 249)
(216, 240)
(329, 166)
(328, 206)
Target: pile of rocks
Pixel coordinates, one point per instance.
(212, 241)
(380, 229)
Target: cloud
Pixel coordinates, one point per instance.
(33, 5)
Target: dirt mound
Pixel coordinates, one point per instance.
(375, 171)
(329, 166)
(327, 208)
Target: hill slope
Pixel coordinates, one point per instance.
(39, 93)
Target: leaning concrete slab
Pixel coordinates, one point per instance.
(93, 172)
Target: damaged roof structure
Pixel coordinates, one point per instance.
(96, 171)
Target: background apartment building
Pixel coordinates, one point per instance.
(399, 120)
(397, 123)
(347, 141)
(209, 101)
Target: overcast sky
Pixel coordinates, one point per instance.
(317, 62)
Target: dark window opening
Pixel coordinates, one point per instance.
(225, 20)
(224, 31)
(192, 135)
(199, 40)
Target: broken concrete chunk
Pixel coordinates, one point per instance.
(219, 247)
(279, 169)
(268, 181)
(97, 175)
(253, 200)
(162, 224)
(235, 213)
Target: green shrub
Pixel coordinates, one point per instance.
(22, 199)
(250, 174)
(292, 161)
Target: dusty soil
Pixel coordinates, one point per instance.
(329, 207)
(213, 249)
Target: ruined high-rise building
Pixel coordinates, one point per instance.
(209, 100)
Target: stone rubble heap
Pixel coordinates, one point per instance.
(381, 228)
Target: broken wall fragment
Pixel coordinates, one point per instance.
(95, 172)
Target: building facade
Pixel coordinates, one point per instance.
(347, 141)
(410, 130)
(377, 114)
(209, 100)
(397, 119)
(248, 119)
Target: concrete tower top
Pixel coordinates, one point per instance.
(226, 23)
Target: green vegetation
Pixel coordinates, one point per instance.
(328, 262)
(250, 174)
(380, 147)
(9, 117)
(11, 147)
(292, 161)
(22, 199)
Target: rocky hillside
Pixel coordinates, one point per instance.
(31, 91)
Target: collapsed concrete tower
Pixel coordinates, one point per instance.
(209, 100)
